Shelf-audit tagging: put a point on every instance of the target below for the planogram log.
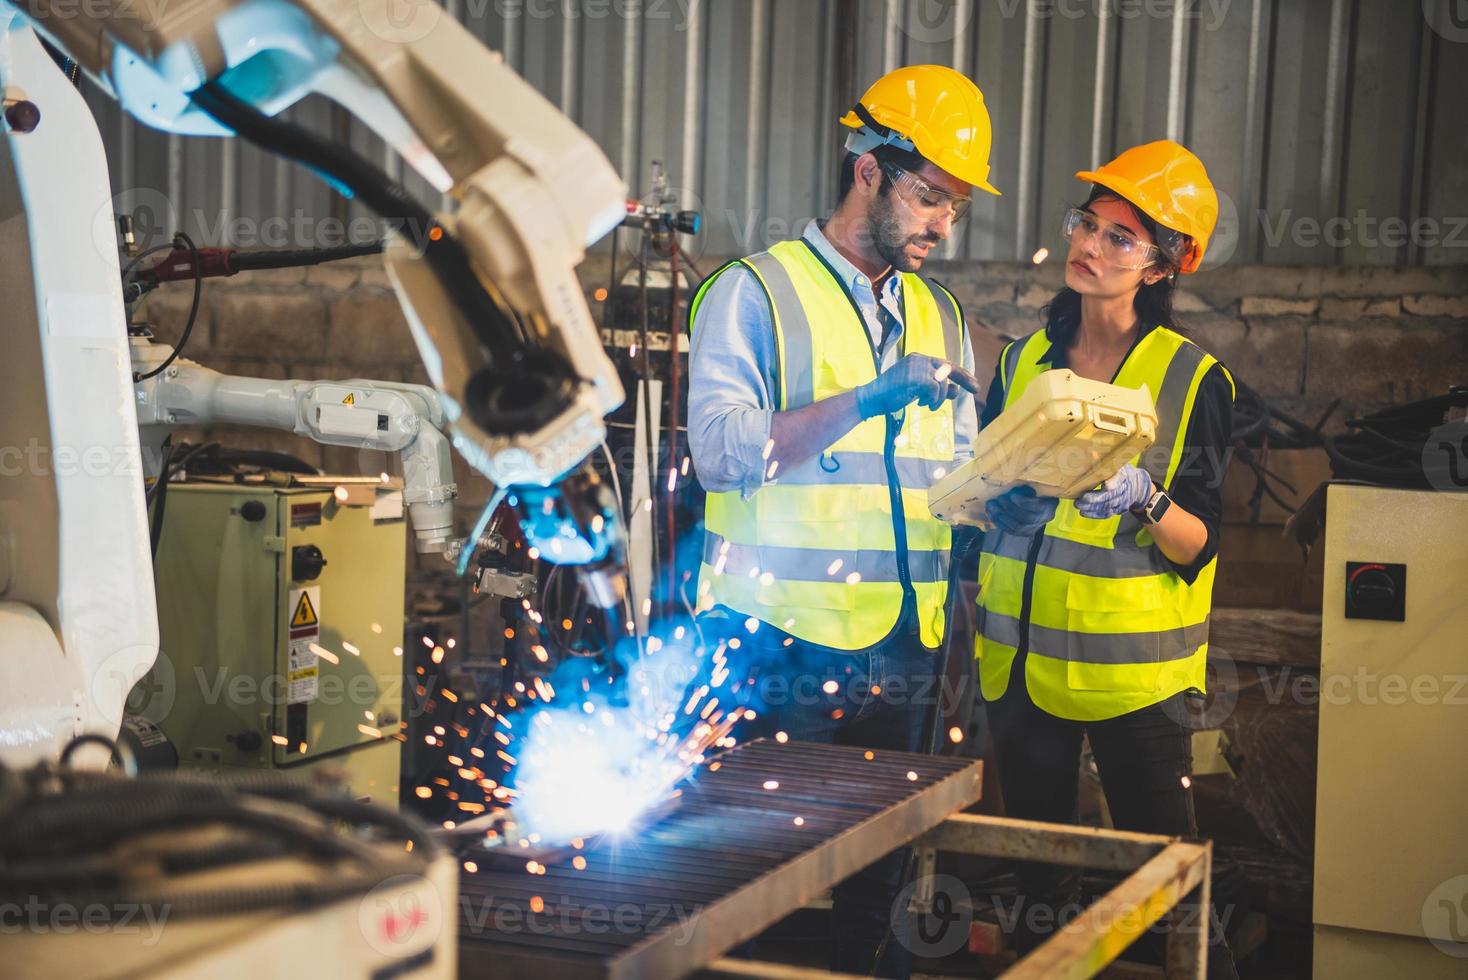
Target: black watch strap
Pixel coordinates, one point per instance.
(1151, 512)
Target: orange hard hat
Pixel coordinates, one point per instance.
(940, 112)
(1171, 186)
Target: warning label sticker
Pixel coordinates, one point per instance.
(304, 636)
(305, 614)
(351, 398)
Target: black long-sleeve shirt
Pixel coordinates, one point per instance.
(1197, 486)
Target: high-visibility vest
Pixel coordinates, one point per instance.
(1108, 625)
(815, 551)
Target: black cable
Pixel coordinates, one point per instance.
(1388, 447)
(188, 329)
(283, 258)
(227, 461)
(496, 329)
(161, 489)
(167, 246)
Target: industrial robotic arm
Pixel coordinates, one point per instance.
(488, 284)
(489, 287)
(381, 415)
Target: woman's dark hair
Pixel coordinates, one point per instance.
(1153, 303)
(888, 154)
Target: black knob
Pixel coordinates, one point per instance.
(22, 116)
(1374, 590)
(688, 222)
(245, 741)
(307, 561)
(252, 511)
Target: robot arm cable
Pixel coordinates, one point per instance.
(180, 237)
(496, 329)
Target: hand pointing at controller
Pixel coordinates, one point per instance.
(929, 381)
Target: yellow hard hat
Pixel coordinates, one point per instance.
(1169, 183)
(933, 110)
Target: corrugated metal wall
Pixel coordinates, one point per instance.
(1303, 110)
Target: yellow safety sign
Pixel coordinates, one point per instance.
(305, 614)
(351, 398)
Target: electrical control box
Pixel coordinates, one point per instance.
(1063, 436)
(280, 616)
(1391, 869)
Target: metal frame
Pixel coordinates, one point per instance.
(1166, 873)
(807, 774)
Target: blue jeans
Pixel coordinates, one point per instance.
(881, 698)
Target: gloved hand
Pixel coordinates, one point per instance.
(1019, 511)
(1130, 487)
(929, 381)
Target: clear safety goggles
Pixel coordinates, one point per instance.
(1117, 245)
(925, 200)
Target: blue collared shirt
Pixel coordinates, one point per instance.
(731, 370)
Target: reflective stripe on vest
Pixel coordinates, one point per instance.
(815, 551)
(1111, 627)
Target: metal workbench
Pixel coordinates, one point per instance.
(765, 828)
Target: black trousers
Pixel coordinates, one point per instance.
(1142, 757)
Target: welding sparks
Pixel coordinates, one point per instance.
(594, 765)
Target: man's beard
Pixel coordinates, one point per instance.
(888, 237)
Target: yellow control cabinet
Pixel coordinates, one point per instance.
(281, 623)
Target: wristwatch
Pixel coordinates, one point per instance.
(1151, 512)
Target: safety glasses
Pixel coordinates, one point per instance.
(1117, 245)
(925, 200)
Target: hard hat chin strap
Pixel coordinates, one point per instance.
(873, 134)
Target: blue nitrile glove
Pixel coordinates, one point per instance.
(1019, 511)
(1129, 487)
(929, 381)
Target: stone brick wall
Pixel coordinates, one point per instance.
(1300, 336)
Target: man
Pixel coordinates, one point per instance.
(829, 386)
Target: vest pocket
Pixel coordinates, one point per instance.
(1112, 637)
(800, 539)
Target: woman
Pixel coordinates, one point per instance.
(1093, 614)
